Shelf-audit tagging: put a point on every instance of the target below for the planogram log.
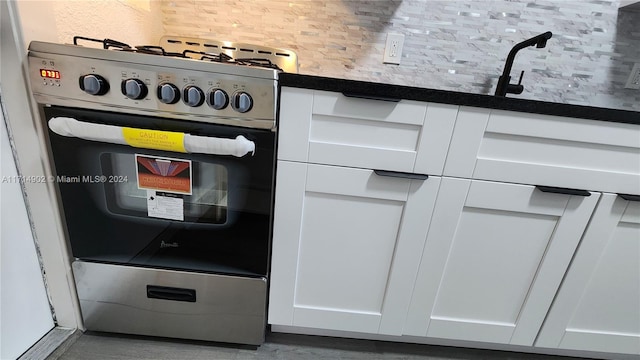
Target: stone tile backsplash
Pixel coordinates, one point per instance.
(458, 45)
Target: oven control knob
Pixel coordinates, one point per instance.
(241, 102)
(134, 89)
(193, 96)
(218, 99)
(94, 84)
(168, 93)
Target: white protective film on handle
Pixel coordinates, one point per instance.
(70, 127)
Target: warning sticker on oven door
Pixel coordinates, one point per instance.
(163, 174)
(154, 139)
(165, 205)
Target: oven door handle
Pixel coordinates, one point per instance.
(152, 139)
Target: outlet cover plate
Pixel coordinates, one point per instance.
(634, 79)
(393, 49)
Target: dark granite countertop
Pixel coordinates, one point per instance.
(398, 92)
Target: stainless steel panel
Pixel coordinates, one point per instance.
(287, 60)
(113, 298)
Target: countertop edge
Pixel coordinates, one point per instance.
(401, 92)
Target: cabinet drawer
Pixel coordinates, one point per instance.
(545, 150)
(330, 128)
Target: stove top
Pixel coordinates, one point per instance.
(183, 78)
(226, 52)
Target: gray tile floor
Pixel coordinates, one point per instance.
(99, 346)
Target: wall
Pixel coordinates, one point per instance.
(26, 134)
(454, 45)
(24, 309)
(25, 313)
(135, 22)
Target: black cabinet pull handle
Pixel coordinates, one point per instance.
(565, 191)
(171, 293)
(403, 175)
(370, 97)
(630, 197)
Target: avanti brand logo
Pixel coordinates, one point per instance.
(168, 245)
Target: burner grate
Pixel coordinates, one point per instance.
(157, 50)
(221, 57)
(260, 62)
(106, 43)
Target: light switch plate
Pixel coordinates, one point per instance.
(393, 49)
(634, 79)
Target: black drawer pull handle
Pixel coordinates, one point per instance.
(630, 197)
(171, 293)
(565, 191)
(370, 97)
(403, 175)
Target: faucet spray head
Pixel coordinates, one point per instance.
(542, 40)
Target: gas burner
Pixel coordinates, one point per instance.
(226, 59)
(157, 50)
(220, 57)
(260, 62)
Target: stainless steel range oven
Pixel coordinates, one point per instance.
(165, 171)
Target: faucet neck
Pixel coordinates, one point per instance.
(503, 82)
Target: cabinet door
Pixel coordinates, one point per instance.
(493, 260)
(329, 128)
(547, 150)
(598, 305)
(346, 247)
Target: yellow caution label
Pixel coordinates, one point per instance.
(154, 139)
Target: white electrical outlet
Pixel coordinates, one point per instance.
(393, 49)
(634, 79)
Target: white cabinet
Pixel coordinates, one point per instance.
(598, 305)
(329, 128)
(351, 215)
(491, 267)
(479, 254)
(346, 247)
(545, 150)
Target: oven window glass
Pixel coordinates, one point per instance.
(206, 204)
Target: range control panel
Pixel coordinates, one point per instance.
(71, 81)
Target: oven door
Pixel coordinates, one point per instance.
(164, 209)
